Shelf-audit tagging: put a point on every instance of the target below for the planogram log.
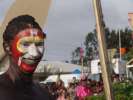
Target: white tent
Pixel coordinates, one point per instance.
(129, 69)
(57, 66)
(95, 66)
(66, 78)
(119, 66)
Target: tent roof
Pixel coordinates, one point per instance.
(130, 62)
(57, 66)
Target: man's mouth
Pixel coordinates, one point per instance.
(31, 60)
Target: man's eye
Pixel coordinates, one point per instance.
(26, 44)
(39, 44)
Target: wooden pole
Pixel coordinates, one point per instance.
(105, 66)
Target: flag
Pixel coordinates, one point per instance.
(81, 53)
(130, 19)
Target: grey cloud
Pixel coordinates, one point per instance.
(69, 21)
(116, 12)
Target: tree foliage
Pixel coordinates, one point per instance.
(122, 91)
(76, 56)
(129, 55)
(112, 41)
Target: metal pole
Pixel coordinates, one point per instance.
(82, 62)
(105, 66)
(120, 44)
(82, 58)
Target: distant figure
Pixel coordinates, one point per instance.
(23, 42)
(82, 90)
(71, 90)
(61, 90)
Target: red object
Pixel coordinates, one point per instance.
(83, 91)
(122, 51)
(81, 52)
(16, 54)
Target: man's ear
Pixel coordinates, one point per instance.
(6, 47)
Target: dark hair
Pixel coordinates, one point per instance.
(17, 24)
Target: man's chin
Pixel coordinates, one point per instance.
(28, 68)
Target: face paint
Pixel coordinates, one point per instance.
(27, 49)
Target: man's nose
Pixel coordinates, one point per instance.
(33, 50)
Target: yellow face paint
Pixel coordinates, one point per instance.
(25, 42)
(27, 49)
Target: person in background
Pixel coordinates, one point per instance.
(83, 90)
(23, 42)
(61, 90)
(71, 90)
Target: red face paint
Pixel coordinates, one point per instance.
(27, 49)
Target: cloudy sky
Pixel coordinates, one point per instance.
(69, 21)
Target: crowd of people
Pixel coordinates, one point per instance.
(76, 89)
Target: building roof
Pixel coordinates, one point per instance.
(57, 66)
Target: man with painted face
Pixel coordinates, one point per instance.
(23, 42)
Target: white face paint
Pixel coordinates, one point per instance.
(33, 54)
(33, 50)
(27, 49)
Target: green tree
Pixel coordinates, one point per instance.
(76, 56)
(112, 41)
(128, 55)
(91, 45)
(126, 38)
